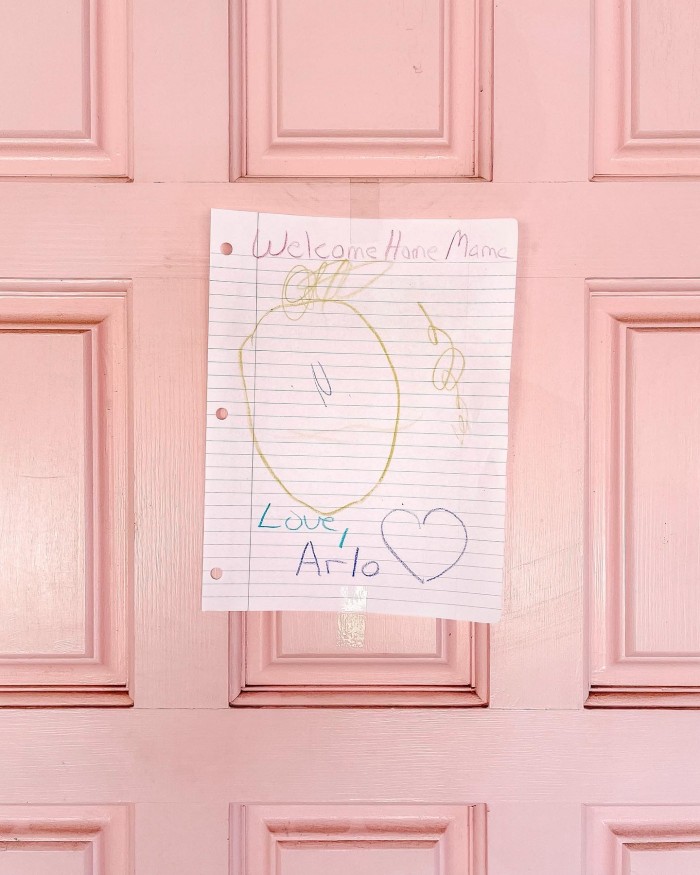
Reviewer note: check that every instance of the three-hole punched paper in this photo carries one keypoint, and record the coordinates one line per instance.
(357, 414)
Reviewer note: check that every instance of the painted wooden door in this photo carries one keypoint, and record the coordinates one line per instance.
(142, 736)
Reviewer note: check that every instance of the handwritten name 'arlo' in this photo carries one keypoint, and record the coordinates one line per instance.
(461, 247)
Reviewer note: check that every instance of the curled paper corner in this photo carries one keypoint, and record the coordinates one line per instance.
(352, 619)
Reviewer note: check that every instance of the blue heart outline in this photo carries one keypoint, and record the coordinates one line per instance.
(420, 525)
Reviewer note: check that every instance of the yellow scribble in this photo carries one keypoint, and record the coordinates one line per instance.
(448, 371)
(304, 288)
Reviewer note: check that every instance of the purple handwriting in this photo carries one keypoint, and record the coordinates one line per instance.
(397, 247)
(311, 562)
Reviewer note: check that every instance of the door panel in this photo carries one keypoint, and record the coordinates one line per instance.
(393, 839)
(366, 88)
(370, 110)
(65, 839)
(643, 346)
(64, 88)
(65, 472)
(645, 112)
(293, 658)
(643, 840)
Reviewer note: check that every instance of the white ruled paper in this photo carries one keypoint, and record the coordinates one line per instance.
(357, 414)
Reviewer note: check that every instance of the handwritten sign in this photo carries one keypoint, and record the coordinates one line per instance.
(357, 414)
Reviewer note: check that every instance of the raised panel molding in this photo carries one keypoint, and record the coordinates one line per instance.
(356, 660)
(349, 839)
(65, 98)
(66, 839)
(402, 90)
(643, 533)
(646, 120)
(643, 839)
(65, 463)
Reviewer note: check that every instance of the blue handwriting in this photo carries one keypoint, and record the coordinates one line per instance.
(310, 561)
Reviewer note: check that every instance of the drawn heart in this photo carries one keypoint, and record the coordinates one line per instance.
(439, 518)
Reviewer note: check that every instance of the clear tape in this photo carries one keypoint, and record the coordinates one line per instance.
(352, 619)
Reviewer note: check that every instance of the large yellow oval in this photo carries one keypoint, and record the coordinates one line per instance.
(323, 403)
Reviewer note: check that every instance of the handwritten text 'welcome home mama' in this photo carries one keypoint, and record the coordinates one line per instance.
(460, 248)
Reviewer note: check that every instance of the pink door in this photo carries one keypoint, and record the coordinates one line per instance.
(140, 735)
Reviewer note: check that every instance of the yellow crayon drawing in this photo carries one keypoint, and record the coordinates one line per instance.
(448, 371)
(324, 290)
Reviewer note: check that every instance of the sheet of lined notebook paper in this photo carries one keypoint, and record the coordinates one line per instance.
(357, 414)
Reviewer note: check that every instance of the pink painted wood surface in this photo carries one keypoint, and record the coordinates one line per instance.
(47, 504)
(365, 88)
(65, 470)
(180, 91)
(394, 840)
(65, 839)
(64, 74)
(644, 840)
(317, 659)
(381, 744)
(541, 109)
(334, 648)
(646, 120)
(643, 540)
